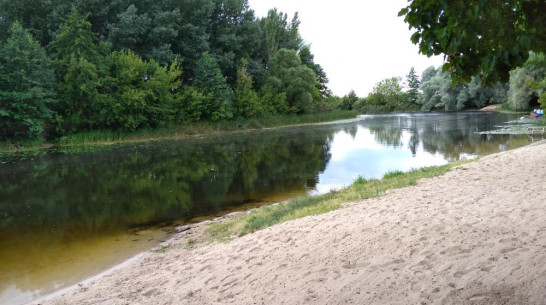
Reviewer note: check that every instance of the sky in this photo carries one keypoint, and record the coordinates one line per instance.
(357, 42)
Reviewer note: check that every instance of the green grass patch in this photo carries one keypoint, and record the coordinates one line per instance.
(312, 205)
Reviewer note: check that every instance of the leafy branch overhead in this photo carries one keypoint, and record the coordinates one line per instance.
(484, 37)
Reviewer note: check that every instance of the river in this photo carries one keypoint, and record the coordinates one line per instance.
(67, 214)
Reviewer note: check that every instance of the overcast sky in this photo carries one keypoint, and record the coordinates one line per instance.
(358, 43)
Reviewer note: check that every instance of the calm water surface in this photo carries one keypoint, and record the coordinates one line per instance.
(68, 214)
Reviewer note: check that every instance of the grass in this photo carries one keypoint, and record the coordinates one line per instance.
(312, 205)
(104, 137)
(161, 249)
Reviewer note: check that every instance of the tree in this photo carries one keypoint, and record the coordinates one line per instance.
(130, 31)
(147, 36)
(308, 59)
(388, 92)
(428, 74)
(34, 15)
(525, 82)
(246, 99)
(287, 74)
(77, 56)
(439, 92)
(413, 84)
(487, 38)
(348, 101)
(26, 86)
(210, 80)
(234, 34)
(137, 93)
(279, 34)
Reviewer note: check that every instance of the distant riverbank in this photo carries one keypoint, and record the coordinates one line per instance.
(473, 234)
(108, 137)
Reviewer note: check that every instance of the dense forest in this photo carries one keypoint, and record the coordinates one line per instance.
(73, 66)
(68, 67)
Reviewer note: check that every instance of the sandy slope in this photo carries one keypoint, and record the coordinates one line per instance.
(476, 235)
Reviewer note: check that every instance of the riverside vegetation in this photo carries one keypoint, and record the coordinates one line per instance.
(126, 70)
(312, 205)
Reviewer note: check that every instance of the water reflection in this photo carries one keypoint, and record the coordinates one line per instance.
(60, 210)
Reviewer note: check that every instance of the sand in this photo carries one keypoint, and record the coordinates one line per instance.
(476, 235)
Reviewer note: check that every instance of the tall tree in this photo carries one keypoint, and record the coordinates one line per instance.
(26, 86)
(77, 54)
(210, 80)
(413, 84)
(308, 59)
(525, 82)
(299, 82)
(279, 34)
(148, 36)
(486, 37)
(388, 92)
(349, 100)
(137, 93)
(246, 99)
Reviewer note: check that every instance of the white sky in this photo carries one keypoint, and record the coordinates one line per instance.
(357, 42)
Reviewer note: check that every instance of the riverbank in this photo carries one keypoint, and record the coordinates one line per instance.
(474, 235)
(108, 137)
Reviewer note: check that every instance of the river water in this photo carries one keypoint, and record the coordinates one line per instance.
(68, 214)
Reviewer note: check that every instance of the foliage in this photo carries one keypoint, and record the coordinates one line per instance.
(308, 59)
(210, 80)
(246, 99)
(287, 74)
(348, 101)
(387, 92)
(527, 82)
(313, 205)
(77, 55)
(413, 84)
(26, 86)
(486, 37)
(279, 34)
(137, 94)
(202, 40)
(438, 92)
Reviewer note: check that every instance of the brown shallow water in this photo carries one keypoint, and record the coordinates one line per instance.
(67, 215)
(52, 263)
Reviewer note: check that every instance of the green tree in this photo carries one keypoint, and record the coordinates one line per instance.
(413, 84)
(137, 93)
(77, 56)
(130, 31)
(388, 92)
(279, 33)
(273, 101)
(308, 59)
(287, 74)
(26, 86)
(147, 36)
(486, 37)
(246, 99)
(439, 92)
(348, 101)
(210, 80)
(34, 15)
(525, 82)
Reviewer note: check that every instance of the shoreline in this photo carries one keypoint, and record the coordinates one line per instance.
(178, 246)
(199, 129)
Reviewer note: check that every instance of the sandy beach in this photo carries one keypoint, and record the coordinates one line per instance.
(476, 235)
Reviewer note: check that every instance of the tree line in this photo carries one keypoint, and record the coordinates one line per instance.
(436, 89)
(75, 66)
